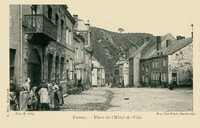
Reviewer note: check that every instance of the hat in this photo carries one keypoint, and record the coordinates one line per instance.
(55, 87)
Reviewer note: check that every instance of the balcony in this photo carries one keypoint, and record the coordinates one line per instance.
(41, 26)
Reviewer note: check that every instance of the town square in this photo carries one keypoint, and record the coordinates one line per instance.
(60, 62)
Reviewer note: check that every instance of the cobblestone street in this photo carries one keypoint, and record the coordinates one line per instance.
(130, 99)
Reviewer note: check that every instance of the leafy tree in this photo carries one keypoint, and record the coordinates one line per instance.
(121, 30)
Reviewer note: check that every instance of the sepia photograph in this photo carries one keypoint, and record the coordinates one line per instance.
(64, 57)
(108, 63)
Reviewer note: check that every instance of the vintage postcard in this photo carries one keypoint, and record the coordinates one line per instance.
(90, 61)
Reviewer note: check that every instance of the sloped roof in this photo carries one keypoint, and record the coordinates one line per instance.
(150, 50)
(93, 58)
(96, 65)
(167, 35)
(174, 47)
(80, 26)
(134, 53)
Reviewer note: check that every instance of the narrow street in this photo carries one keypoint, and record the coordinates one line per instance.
(130, 99)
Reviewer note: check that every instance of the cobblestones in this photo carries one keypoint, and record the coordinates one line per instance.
(96, 99)
(131, 99)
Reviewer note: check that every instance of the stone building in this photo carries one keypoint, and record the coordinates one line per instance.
(170, 62)
(83, 29)
(41, 45)
(134, 64)
(79, 56)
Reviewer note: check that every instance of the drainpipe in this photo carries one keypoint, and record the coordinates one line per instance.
(21, 41)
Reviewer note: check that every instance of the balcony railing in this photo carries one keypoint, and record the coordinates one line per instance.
(38, 23)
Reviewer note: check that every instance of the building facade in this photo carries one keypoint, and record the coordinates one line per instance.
(173, 62)
(98, 73)
(134, 64)
(83, 29)
(41, 45)
(79, 56)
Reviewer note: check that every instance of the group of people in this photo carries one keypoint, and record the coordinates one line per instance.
(46, 96)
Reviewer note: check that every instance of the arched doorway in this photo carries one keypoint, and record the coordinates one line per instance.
(34, 68)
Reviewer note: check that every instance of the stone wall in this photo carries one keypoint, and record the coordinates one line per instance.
(181, 62)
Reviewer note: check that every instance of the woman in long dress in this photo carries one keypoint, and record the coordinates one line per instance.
(44, 98)
(60, 94)
(54, 100)
(24, 95)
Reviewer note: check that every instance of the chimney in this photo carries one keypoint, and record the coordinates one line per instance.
(126, 52)
(75, 17)
(178, 37)
(182, 37)
(192, 31)
(88, 23)
(158, 43)
(168, 42)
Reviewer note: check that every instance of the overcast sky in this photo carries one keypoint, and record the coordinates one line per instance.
(157, 17)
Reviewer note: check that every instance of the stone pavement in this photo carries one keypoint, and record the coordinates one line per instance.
(96, 99)
(151, 100)
(130, 99)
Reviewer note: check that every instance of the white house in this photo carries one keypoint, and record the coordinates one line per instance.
(98, 73)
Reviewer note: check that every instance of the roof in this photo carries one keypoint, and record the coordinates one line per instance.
(119, 62)
(167, 35)
(135, 52)
(78, 37)
(81, 26)
(96, 65)
(150, 50)
(88, 50)
(174, 47)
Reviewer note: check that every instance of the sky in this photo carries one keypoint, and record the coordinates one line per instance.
(158, 17)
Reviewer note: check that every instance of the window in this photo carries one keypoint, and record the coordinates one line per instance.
(33, 12)
(56, 67)
(143, 67)
(164, 77)
(61, 68)
(62, 30)
(147, 69)
(49, 12)
(156, 64)
(82, 55)
(57, 20)
(78, 74)
(156, 74)
(67, 36)
(71, 68)
(70, 37)
(77, 53)
(164, 62)
(50, 61)
(86, 59)
(153, 64)
(34, 9)
(152, 76)
(142, 78)
(12, 63)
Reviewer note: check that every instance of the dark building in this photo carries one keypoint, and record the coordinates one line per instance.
(39, 40)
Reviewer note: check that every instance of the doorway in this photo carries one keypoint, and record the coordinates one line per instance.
(34, 68)
(174, 78)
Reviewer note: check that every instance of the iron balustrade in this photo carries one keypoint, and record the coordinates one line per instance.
(38, 23)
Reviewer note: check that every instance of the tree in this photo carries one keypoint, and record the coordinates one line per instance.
(121, 30)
